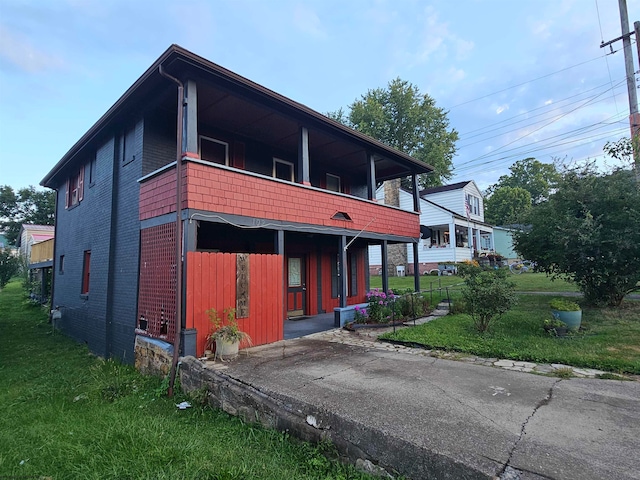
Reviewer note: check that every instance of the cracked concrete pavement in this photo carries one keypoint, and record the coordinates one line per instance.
(493, 421)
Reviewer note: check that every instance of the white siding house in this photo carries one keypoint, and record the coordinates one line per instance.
(444, 210)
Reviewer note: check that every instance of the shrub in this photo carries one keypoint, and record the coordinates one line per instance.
(379, 308)
(488, 295)
(564, 305)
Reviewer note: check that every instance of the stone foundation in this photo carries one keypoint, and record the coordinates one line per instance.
(152, 356)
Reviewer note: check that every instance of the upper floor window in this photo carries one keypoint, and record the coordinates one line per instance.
(282, 169)
(334, 183)
(214, 151)
(472, 203)
(75, 188)
(92, 171)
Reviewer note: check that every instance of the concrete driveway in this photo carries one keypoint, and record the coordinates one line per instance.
(425, 417)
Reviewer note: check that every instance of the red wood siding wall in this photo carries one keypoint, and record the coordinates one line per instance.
(218, 190)
(211, 283)
(157, 291)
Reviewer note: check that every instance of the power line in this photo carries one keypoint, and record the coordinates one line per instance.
(524, 83)
(499, 131)
(556, 105)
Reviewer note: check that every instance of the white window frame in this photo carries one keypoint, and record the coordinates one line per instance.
(214, 140)
(284, 162)
(339, 182)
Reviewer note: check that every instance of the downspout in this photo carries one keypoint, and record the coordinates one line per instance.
(176, 340)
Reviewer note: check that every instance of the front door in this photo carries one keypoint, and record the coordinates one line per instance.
(296, 286)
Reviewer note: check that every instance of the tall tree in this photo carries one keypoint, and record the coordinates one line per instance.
(28, 205)
(589, 232)
(538, 178)
(407, 120)
(507, 205)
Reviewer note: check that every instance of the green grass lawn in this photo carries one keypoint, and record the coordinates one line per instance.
(610, 340)
(525, 282)
(67, 414)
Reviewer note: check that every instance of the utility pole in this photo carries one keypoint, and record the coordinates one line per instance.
(634, 118)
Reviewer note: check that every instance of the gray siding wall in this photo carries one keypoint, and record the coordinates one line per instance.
(159, 147)
(126, 253)
(106, 222)
(85, 226)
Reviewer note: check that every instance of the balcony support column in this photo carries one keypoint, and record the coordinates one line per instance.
(416, 192)
(371, 177)
(303, 157)
(190, 123)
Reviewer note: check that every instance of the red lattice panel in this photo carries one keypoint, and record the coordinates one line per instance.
(157, 294)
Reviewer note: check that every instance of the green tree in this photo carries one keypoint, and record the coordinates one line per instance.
(507, 205)
(28, 205)
(407, 120)
(538, 178)
(9, 266)
(588, 232)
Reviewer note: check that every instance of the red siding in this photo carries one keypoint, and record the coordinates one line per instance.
(214, 189)
(211, 283)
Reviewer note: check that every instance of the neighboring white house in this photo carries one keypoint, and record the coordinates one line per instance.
(457, 208)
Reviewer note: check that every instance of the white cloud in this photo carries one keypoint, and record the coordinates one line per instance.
(548, 102)
(502, 108)
(18, 51)
(306, 20)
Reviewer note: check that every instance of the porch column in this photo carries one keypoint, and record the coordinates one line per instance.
(190, 236)
(478, 244)
(493, 241)
(343, 271)
(303, 157)
(385, 266)
(371, 177)
(280, 242)
(470, 241)
(190, 123)
(416, 267)
(416, 192)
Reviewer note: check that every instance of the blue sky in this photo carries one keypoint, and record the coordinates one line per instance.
(519, 78)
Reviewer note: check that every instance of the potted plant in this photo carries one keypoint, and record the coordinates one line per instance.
(225, 334)
(567, 312)
(555, 327)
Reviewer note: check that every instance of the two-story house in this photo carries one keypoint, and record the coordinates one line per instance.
(452, 227)
(276, 205)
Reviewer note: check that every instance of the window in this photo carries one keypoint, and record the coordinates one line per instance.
(473, 203)
(92, 171)
(283, 170)
(61, 265)
(333, 183)
(75, 189)
(86, 272)
(214, 151)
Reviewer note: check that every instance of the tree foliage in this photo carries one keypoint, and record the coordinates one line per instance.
(28, 205)
(589, 232)
(407, 120)
(538, 178)
(507, 205)
(9, 266)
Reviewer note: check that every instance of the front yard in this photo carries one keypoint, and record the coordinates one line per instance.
(68, 414)
(610, 339)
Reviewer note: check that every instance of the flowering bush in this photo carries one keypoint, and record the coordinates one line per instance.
(380, 305)
(360, 315)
